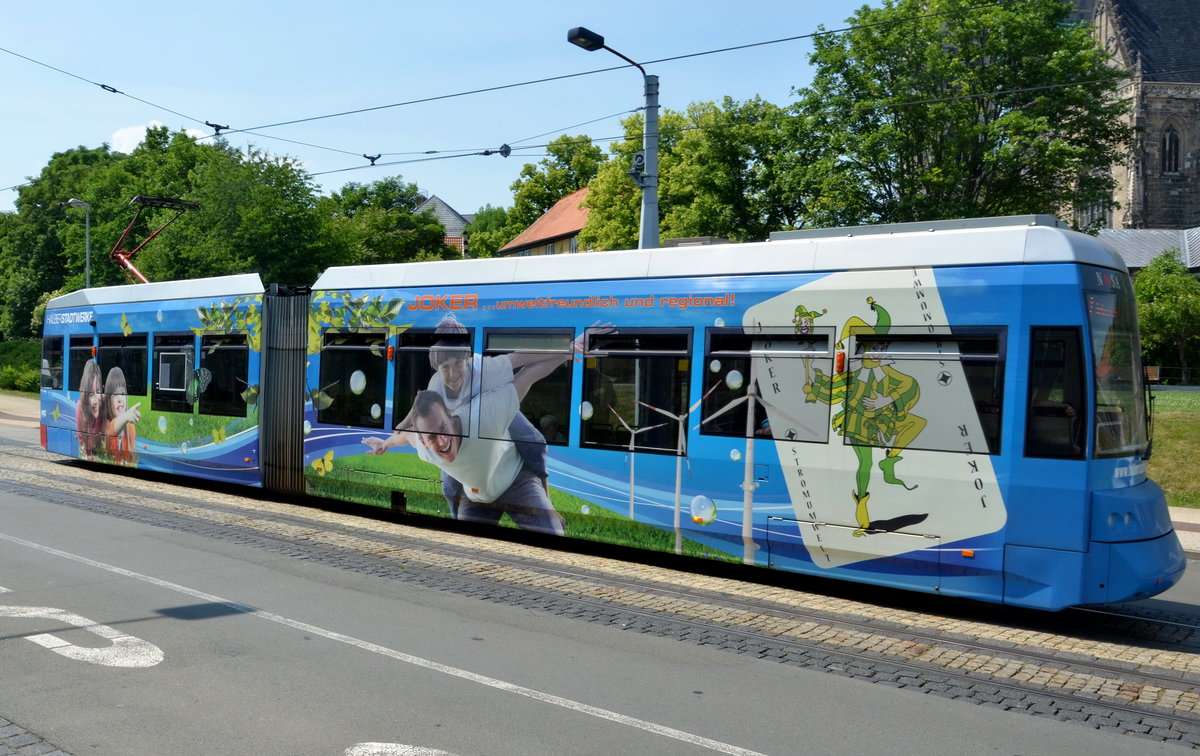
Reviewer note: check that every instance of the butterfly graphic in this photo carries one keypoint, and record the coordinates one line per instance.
(324, 463)
(320, 399)
(125, 327)
(198, 384)
(218, 435)
(250, 395)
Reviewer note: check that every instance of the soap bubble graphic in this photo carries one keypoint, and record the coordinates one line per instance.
(162, 424)
(376, 411)
(735, 455)
(734, 379)
(586, 410)
(719, 322)
(714, 366)
(585, 509)
(307, 427)
(358, 381)
(704, 510)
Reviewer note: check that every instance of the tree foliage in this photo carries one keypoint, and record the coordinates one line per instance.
(1168, 298)
(380, 224)
(258, 213)
(929, 109)
(572, 163)
(487, 232)
(724, 170)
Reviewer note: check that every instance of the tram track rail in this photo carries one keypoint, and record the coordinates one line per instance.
(839, 636)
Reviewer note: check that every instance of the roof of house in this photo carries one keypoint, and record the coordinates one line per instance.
(1138, 246)
(1165, 35)
(565, 218)
(450, 218)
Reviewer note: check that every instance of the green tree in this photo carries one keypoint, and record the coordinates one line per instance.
(730, 171)
(42, 244)
(573, 162)
(933, 109)
(487, 232)
(724, 170)
(258, 213)
(1168, 298)
(380, 223)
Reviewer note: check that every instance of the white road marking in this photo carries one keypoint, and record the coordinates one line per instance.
(125, 651)
(392, 749)
(491, 682)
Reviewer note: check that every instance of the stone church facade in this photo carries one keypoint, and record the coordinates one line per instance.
(1158, 42)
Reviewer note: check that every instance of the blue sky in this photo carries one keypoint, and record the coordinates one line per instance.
(257, 63)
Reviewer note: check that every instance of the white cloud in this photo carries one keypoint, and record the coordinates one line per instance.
(127, 138)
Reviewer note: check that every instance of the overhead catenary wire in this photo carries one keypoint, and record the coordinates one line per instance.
(256, 131)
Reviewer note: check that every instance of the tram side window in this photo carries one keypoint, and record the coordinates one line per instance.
(546, 353)
(438, 360)
(126, 355)
(79, 352)
(635, 387)
(789, 374)
(226, 358)
(174, 371)
(1054, 425)
(917, 391)
(52, 362)
(353, 380)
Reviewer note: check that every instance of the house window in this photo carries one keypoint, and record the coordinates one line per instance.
(1170, 150)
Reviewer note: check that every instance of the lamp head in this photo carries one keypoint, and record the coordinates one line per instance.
(585, 38)
(77, 203)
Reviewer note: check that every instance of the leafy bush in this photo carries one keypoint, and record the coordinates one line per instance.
(20, 364)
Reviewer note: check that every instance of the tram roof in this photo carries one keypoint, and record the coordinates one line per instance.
(219, 286)
(1019, 240)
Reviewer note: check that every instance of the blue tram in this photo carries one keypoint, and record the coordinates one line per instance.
(950, 407)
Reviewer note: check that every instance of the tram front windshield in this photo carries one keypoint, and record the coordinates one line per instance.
(1120, 417)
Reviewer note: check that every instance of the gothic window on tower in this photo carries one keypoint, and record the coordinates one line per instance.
(1170, 150)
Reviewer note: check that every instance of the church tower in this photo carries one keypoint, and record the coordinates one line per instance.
(1158, 43)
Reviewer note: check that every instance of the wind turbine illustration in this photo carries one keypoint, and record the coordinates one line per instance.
(632, 455)
(749, 485)
(681, 452)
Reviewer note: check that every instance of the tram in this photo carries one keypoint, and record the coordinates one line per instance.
(951, 407)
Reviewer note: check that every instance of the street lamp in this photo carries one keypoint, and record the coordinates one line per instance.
(645, 164)
(87, 238)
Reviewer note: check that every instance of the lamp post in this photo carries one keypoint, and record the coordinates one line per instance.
(87, 238)
(645, 165)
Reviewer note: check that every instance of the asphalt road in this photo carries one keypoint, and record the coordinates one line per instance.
(128, 637)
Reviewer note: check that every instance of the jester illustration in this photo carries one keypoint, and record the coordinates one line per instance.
(876, 400)
(804, 317)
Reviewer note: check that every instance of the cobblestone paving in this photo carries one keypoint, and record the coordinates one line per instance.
(14, 739)
(645, 598)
